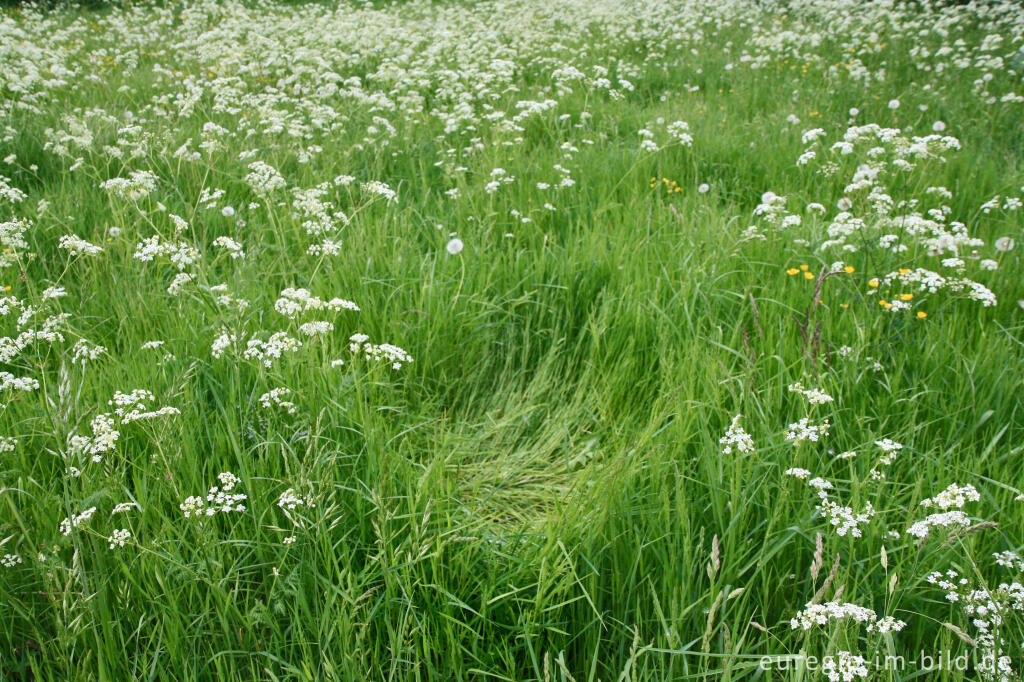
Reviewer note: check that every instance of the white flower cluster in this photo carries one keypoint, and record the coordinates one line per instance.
(220, 499)
(103, 439)
(844, 519)
(264, 179)
(223, 342)
(275, 398)
(131, 407)
(70, 523)
(233, 248)
(12, 241)
(316, 328)
(272, 349)
(290, 500)
(292, 302)
(10, 560)
(380, 189)
(803, 431)
(923, 280)
(814, 396)
(319, 217)
(122, 507)
(1010, 560)
(11, 347)
(736, 437)
(137, 185)
(844, 667)
(118, 538)
(986, 609)
(956, 518)
(817, 615)
(377, 352)
(76, 246)
(9, 382)
(953, 497)
(83, 352)
(9, 193)
(181, 254)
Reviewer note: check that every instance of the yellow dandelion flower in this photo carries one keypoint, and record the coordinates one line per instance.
(849, 269)
(904, 271)
(792, 271)
(809, 275)
(873, 283)
(921, 314)
(906, 297)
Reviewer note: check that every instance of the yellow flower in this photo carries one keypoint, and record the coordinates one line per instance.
(906, 297)
(873, 283)
(849, 269)
(804, 267)
(921, 314)
(809, 275)
(792, 271)
(904, 271)
(844, 305)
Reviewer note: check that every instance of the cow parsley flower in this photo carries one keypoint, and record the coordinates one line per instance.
(736, 437)
(803, 430)
(844, 667)
(118, 538)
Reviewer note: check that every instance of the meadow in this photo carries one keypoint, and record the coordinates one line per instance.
(512, 340)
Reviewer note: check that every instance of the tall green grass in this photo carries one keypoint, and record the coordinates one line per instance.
(538, 495)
